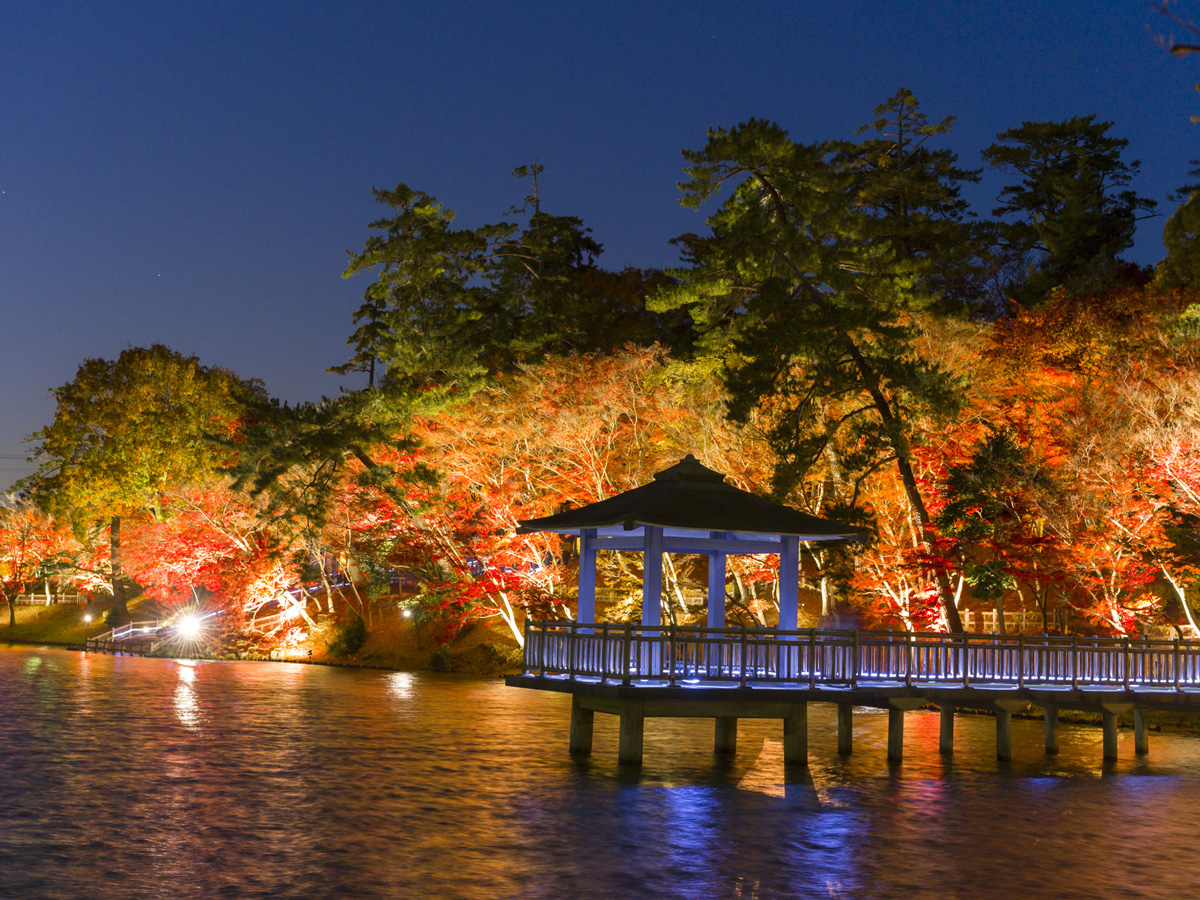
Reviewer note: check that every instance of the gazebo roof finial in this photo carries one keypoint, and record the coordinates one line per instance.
(689, 469)
(689, 497)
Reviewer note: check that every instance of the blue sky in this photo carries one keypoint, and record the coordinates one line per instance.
(194, 173)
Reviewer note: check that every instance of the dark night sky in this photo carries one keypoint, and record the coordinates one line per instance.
(193, 173)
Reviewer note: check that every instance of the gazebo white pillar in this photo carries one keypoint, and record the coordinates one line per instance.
(587, 576)
(716, 585)
(652, 552)
(789, 582)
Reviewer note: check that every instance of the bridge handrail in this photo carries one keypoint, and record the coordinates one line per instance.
(687, 654)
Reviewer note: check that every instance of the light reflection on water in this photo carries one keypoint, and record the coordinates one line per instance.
(123, 777)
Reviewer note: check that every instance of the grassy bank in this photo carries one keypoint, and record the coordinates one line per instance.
(58, 624)
(392, 642)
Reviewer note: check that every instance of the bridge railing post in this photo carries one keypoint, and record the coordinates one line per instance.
(854, 659)
(1020, 660)
(1125, 663)
(671, 655)
(812, 658)
(572, 645)
(966, 660)
(1175, 665)
(742, 652)
(1074, 662)
(626, 652)
(908, 658)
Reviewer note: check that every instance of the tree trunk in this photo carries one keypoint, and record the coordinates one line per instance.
(12, 611)
(120, 613)
(916, 504)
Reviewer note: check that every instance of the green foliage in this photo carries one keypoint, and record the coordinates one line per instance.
(451, 306)
(1073, 210)
(349, 637)
(910, 192)
(805, 299)
(124, 429)
(298, 457)
(982, 514)
(1181, 267)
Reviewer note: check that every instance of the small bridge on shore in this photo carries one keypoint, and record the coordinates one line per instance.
(638, 672)
(134, 638)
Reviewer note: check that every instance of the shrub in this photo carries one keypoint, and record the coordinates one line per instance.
(440, 659)
(349, 637)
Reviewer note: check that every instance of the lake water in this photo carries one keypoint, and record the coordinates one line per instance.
(144, 778)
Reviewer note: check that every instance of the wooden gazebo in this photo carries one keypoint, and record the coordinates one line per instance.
(654, 671)
(689, 508)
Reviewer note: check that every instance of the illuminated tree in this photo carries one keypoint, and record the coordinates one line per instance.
(127, 429)
(29, 542)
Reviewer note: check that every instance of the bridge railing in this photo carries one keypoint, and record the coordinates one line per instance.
(687, 654)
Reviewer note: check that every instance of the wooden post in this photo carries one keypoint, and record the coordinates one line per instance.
(716, 586)
(1050, 727)
(586, 611)
(845, 728)
(1141, 739)
(582, 721)
(726, 735)
(629, 749)
(895, 747)
(795, 735)
(946, 735)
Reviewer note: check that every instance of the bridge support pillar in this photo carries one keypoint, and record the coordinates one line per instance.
(897, 706)
(1050, 727)
(582, 721)
(633, 722)
(1004, 711)
(1110, 712)
(946, 734)
(895, 751)
(1141, 739)
(1003, 734)
(726, 735)
(845, 728)
(1110, 735)
(795, 735)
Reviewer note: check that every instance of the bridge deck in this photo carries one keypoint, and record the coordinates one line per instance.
(647, 671)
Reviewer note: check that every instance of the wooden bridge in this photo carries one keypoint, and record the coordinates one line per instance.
(135, 638)
(644, 671)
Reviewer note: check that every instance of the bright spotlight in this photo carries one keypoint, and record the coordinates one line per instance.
(188, 628)
(87, 617)
(407, 613)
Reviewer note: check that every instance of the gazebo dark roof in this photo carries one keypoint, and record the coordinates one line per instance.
(691, 497)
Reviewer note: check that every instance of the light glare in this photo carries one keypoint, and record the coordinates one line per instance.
(188, 627)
